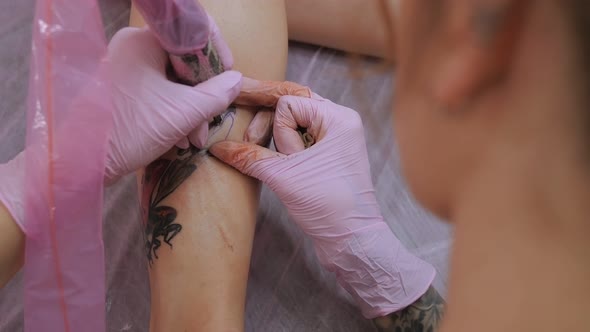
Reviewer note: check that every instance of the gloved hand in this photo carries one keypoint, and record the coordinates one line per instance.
(328, 192)
(150, 112)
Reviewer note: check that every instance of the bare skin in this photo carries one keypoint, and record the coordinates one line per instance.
(198, 281)
(356, 26)
(12, 250)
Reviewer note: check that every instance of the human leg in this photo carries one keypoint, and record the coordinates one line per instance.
(201, 232)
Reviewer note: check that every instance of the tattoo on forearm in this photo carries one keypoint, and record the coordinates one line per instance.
(424, 315)
(162, 178)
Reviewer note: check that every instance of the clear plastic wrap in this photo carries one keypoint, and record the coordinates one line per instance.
(191, 38)
(69, 114)
(68, 120)
(181, 26)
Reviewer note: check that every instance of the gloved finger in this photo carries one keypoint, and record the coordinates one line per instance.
(183, 143)
(260, 129)
(196, 105)
(267, 93)
(293, 114)
(220, 45)
(199, 136)
(245, 157)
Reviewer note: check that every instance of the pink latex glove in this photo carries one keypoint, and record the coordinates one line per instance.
(195, 45)
(198, 65)
(328, 192)
(153, 113)
(150, 112)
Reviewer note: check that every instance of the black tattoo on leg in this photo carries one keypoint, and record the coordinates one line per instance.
(194, 68)
(216, 125)
(162, 178)
(197, 67)
(424, 315)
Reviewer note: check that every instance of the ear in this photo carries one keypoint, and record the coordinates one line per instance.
(485, 35)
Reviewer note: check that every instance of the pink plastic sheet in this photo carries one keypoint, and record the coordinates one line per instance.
(68, 122)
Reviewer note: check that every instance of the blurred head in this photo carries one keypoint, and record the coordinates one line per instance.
(478, 78)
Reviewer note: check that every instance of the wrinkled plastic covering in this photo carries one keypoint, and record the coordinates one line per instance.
(69, 116)
(287, 289)
(181, 26)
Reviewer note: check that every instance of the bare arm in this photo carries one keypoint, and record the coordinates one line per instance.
(356, 26)
(12, 247)
(200, 224)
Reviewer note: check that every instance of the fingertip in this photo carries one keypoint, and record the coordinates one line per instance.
(229, 81)
(260, 129)
(288, 141)
(224, 150)
(241, 156)
(254, 137)
(216, 94)
(218, 147)
(233, 79)
(199, 136)
(183, 143)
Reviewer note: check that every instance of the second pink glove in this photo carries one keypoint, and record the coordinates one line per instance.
(329, 194)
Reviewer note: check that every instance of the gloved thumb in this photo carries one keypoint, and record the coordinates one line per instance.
(210, 98)
(214, 96)
(245, 157)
